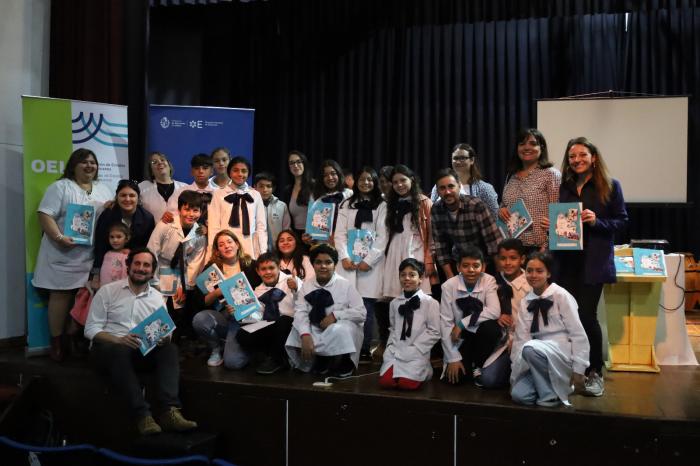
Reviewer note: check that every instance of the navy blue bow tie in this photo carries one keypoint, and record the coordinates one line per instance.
(235, 201)
(319, 299)
(271, 299)
(537, 307)
(470, 306)
(335, 198)
(406, 311)
(364, 213)
(401, 208)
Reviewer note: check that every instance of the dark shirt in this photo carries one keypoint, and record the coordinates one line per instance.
(142, 225)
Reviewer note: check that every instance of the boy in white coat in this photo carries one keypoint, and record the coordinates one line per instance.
(328, 319)
(469, 312)
(414, 329)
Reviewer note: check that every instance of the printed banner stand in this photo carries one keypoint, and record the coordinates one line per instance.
(53, 129)
(180, 132)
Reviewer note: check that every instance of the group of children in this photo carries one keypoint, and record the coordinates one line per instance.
(486, 325)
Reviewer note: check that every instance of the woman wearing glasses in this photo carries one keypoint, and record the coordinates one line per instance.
(126, 209)
(62, 266)
(464, 162)
(297, 194)
(160, 186)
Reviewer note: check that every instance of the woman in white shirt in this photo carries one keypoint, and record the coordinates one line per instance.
(156, 191)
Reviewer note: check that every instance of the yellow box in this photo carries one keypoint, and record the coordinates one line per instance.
(640, 354)
(620, 354)
(617, 309)
(643, 330)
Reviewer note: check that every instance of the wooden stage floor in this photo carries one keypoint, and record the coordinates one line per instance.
(282, 419)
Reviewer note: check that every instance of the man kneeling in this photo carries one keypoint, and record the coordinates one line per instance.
(328, 324)
(115, 310)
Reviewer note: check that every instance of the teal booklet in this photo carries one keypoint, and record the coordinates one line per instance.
(565, 226)
(209, 278)
(649, 262)
(624, 264)
(79, 223)
(154, 327)
(239, 294)
(359, 244)
(319, 220)
(168, 281)
(519, 221)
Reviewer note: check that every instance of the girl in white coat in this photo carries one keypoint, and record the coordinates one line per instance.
(362, 262)
(550, 348)
(415, 328)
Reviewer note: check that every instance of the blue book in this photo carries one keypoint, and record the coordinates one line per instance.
(169, 281)
(79, 223)
(359, 244)
(239, 294)
(649, 262)
(624, 264)
(154, 327)
(319, 220)
(565, 226)
(209, 278)
(519, 221)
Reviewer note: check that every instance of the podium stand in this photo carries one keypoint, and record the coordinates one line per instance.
(632, 306)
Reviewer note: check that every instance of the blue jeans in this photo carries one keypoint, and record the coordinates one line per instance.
(535, 384)
(216, 329)
(369, 323)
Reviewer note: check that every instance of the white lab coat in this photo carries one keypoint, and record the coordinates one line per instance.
(219, 213)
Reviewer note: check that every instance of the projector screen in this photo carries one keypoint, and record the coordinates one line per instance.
(644, 141)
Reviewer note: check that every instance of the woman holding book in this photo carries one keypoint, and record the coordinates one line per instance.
(156, 191)
(328, 188)
(583, 273)
(360, 238)
(62, 266)
(216, 324)
(531, 178)
(465, 163)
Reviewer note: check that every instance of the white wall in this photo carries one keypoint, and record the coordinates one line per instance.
(24, 69)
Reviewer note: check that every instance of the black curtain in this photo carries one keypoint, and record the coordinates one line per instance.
(384, 82)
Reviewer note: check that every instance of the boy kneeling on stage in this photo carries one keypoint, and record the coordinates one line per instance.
(329, 316)
(415, 328)
(469, 312)
(274, 293)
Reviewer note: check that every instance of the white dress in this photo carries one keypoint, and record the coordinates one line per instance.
(563, 340)
(343, 337)
(410, 358)
(367, 283)
(402, 246)
(219, 213)
(66, 269)
(152, 201)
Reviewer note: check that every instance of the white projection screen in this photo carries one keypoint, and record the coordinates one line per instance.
(644, 141)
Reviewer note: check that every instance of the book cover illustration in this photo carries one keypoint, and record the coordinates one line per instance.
(191, 245)
(519, 221)
(169, 281)
(649, 262)
(239, 294)
(154, 327)
(209, 278)
(624, 264)
(565, 226)
(79, 223)
(359, 244)
(319, 220)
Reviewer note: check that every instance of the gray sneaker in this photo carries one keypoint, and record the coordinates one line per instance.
(594, 386)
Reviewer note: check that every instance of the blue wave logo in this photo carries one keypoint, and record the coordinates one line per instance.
(100, 129)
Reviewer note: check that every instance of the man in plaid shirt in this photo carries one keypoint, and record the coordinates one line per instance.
(458, 220)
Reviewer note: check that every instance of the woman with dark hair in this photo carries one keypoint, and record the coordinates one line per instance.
(216, 328)
(583, 273)
(385, 180)
(360, 238)
(465, 163)
(126, 209)
(297, 194)
(62, 266)
(329, 188)
(156, 191)
(293, 261)
(220, 158)
(531, 178)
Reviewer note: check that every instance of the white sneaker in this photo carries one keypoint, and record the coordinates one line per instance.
(551, 403)
(594, 386)
(215, 358)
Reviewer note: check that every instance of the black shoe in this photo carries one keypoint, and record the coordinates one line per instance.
(269, 366)
(344, 369)
(321, 365)
(365, 357)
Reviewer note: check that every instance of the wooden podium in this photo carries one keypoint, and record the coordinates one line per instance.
(632, 305)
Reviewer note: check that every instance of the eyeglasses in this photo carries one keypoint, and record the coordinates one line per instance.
(157, 161)
(295, 162)
(462, 158)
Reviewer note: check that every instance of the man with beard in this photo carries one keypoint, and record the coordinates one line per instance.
(458, 220)
(115, 310)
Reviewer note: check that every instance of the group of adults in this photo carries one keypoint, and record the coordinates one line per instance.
(461, 210)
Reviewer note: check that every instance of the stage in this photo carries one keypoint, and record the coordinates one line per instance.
(282, 419)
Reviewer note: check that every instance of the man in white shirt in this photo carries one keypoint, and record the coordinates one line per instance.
(115, 310)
